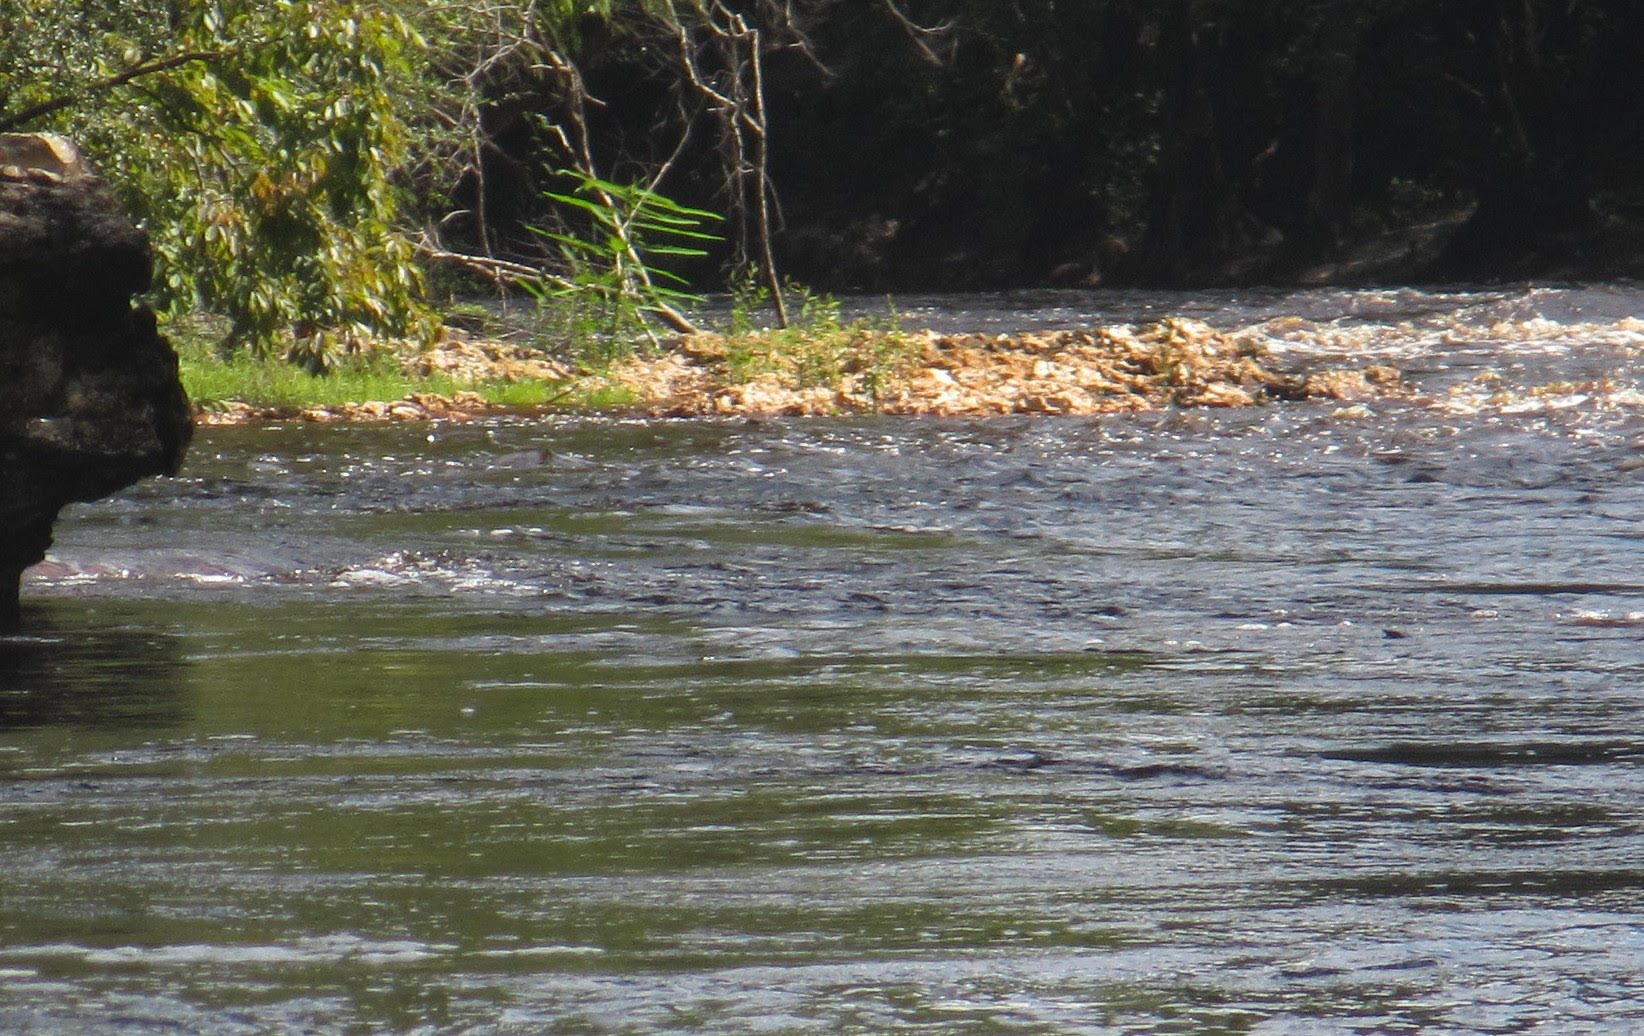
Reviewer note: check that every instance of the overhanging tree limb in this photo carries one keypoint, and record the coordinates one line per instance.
(119, 79)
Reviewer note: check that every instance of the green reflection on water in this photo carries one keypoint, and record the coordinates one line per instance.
(373, 805)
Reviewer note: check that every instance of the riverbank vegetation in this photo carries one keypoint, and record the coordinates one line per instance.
(322, 177)
(822, 368)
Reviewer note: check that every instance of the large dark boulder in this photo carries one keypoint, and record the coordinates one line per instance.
(90, 401)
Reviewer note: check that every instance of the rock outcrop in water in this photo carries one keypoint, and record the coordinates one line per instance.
(90, 401)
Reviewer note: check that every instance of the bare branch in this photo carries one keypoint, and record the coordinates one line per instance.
(763, 186)
(918, 33)
(505, 271)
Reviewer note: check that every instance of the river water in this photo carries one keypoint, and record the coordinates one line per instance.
(1297, 719)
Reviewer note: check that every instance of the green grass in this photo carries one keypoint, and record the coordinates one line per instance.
(212, 380)
(274, 383)
(820, 350)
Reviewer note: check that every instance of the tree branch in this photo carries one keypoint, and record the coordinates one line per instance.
(917, 33)
(502, 270)
(146, 68)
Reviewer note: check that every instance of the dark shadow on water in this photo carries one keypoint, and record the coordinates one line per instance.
(72, 668)
(1516, 753)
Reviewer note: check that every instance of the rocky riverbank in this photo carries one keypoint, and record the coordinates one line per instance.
(1172, 363)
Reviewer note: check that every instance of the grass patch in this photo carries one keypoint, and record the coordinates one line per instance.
(601, 397)
(873, 359)
(268, 382)
(213, 380)
(821, 349)
(861, 359)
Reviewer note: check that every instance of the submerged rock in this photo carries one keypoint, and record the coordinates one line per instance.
(90, 401)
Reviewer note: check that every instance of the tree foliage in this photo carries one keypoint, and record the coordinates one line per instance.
(296, 159)
(260, 143)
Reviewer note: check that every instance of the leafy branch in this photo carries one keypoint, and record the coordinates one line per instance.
(36, 112)
(612, 257)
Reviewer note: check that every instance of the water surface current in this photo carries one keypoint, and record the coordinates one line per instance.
(1297, 719)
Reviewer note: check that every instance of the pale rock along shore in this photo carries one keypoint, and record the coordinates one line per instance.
(1172, 363)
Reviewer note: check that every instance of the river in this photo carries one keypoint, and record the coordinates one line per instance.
(1296, 719)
